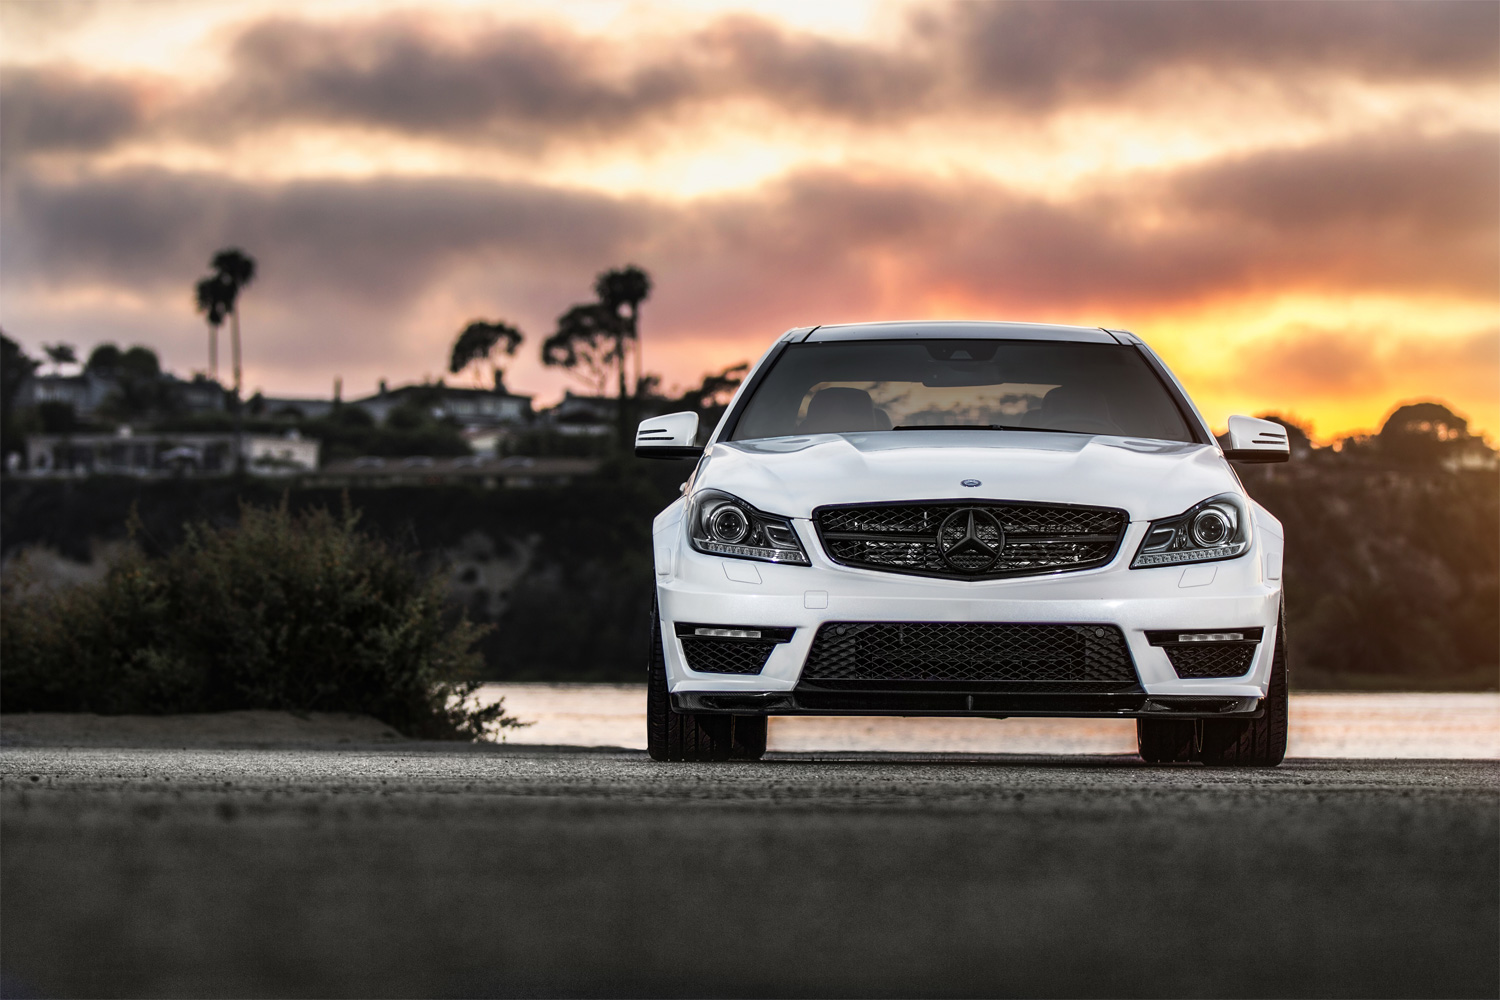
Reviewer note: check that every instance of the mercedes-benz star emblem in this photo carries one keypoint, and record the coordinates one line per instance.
(971, 483)
(970, 540)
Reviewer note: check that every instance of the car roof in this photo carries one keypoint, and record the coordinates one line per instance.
(952, 330)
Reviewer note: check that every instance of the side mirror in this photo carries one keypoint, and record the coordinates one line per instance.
(671, 435)
(1255, 440)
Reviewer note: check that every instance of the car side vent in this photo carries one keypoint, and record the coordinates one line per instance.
(729, 649)
(1219, 653)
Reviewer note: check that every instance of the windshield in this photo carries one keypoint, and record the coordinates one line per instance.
(895, 385)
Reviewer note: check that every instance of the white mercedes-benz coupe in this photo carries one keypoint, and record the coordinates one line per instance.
(967, 519)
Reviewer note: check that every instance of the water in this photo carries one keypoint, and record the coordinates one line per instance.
(1322, 725)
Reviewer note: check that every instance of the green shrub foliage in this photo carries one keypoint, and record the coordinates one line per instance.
(1392, 571)
(292, 612)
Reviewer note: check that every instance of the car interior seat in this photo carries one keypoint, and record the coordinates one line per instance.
(1073, 408)
(840, 409)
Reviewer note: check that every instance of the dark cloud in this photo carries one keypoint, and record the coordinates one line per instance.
(830, 242)
(523, 86)
(377, 241)
(1438, 186)
(1038, 54)
(803, 73)
(355, 273)
(514, 83)
(1397, 208)
(48, 109)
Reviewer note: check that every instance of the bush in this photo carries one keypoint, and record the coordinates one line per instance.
(281, 611)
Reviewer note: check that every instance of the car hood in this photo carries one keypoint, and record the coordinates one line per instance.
(793, 475)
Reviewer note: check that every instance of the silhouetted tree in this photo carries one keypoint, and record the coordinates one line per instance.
(210, 295)
(139, 363)
(59, 355)
(584, 344)
(614, 320)
(234, 270)
(716, 388)
(104, 360)
(1422, 432)
(480, 341)
(15, 369)
(621, 291)
(140, 390)
(218, 296)
(710, 397)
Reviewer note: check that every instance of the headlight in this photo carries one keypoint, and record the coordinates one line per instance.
(727, 526)
(1217, 528)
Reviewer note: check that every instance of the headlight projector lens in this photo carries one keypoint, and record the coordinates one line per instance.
(1217, 528)
(1211, 528)
(729, 524)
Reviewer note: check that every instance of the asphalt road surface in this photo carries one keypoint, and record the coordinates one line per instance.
(424, 869)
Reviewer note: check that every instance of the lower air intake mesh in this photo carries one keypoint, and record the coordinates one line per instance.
(726, 656)
(1025, 654)
(1211, 659)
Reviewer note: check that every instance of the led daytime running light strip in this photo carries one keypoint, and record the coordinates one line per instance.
(1190, 555)
(773, 555)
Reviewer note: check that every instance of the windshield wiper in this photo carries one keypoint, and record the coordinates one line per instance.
(947, 427)
(1045, 430)
(982, 427)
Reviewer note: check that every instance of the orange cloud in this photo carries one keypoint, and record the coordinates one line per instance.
(526, 86)
(371, 275)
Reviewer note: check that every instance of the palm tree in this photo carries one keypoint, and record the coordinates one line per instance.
(625, 288)
(479, 341)
(234, 269)
(210, 302)
(582, 332)
(59, 355)
(217, 296)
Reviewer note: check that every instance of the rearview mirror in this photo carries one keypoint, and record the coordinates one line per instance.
(672, 435)
(1254, 440)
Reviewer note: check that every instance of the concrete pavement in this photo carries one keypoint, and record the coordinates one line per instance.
(441, 870)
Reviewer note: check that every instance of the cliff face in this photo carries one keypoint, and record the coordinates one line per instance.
(1393, 576)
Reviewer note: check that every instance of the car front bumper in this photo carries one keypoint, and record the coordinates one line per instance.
(706, 589)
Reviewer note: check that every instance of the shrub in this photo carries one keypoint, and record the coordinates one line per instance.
(280, 611)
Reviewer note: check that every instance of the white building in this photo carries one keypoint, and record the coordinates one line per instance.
(470, 407)
(125, 453)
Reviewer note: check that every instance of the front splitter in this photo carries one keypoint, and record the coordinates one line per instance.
(967, 703)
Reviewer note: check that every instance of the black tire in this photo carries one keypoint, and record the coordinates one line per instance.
(672, 735)
(1166, 741)
(1254, 742)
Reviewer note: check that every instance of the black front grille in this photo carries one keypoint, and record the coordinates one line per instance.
(726, 656)
(1038, 657)
(926, 539)
(1211, 659)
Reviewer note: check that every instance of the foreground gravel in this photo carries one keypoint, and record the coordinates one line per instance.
(425, 869)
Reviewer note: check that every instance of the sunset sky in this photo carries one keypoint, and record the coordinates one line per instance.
(1297, 204)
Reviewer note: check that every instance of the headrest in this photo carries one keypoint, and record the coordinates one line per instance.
(839, 409)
